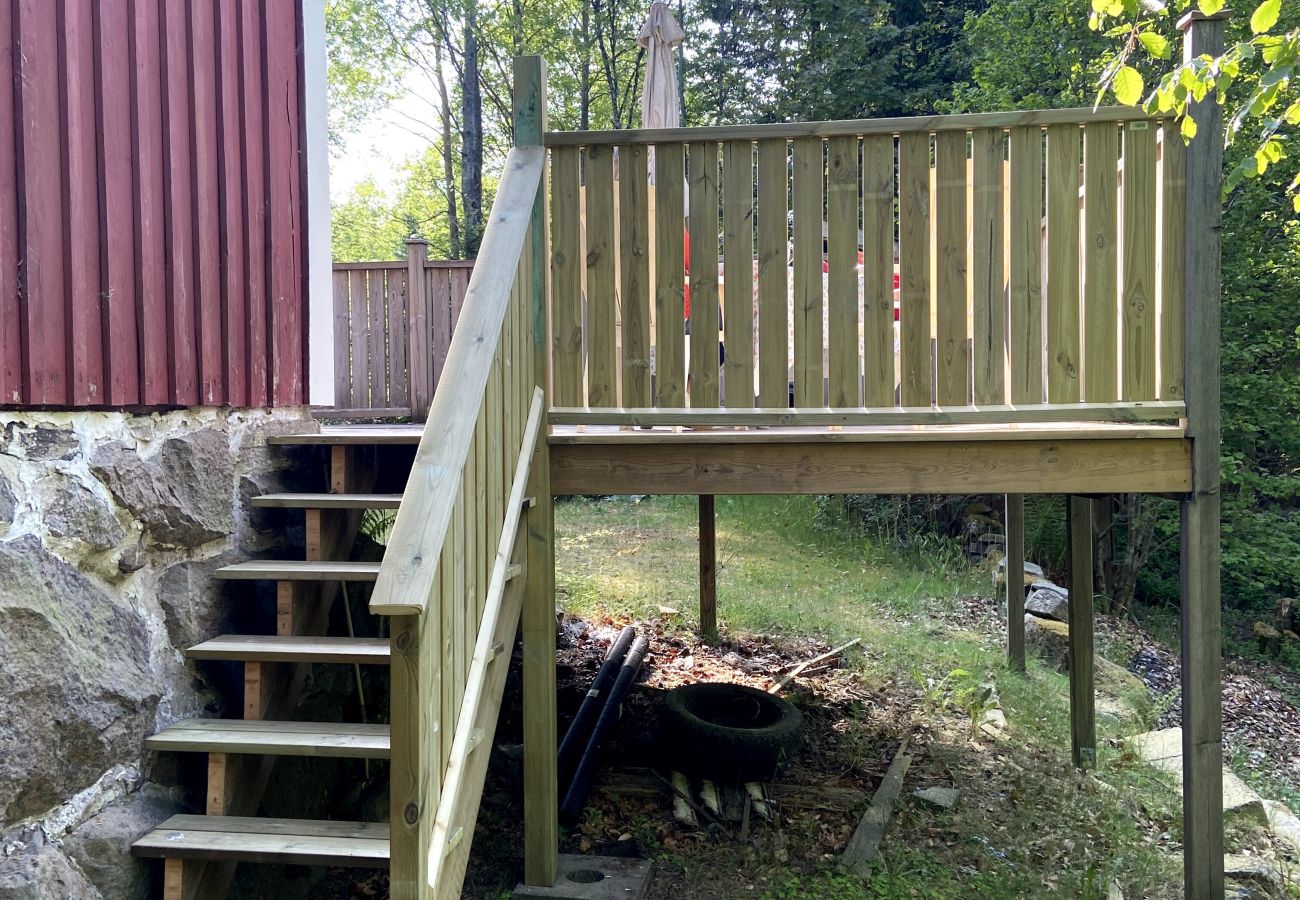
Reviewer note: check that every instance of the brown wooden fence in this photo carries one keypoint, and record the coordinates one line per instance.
(151, 217)
(390, 342)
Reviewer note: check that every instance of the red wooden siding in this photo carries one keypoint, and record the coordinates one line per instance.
(152, 226)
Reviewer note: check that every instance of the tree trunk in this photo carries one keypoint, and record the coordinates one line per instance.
(448, 160)
(471, 135)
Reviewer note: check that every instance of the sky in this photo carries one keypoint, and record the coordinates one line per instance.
(385, 141)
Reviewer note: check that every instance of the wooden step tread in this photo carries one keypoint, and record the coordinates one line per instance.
(336, 739)
(277, 648)
(330, 501)
(300, 570)
(388, 434)
(307, 842)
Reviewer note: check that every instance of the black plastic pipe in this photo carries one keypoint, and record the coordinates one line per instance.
(576, 737)
(576, 796)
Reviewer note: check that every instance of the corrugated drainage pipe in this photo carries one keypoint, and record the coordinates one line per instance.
(576, 737)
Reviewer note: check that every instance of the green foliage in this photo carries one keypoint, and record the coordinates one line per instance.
(365, 64)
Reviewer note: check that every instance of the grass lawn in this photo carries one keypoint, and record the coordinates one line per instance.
(1027, 824)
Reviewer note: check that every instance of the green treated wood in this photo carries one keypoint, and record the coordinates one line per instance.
(1173, 218)
(1138, 298)
(773, 315)
(914, 268)
(1083, 714)
(806, 201)
(708, 569)
(739, 264)
(264, 840)
(843, 305)
(566, 274)
(952, 365)
(1014, 523)
(669, 276)
(634, 272)
(292, 648)
(1100, 263)
(988, 275)
(705, 358)
(1064, 155)
(602, 302)
(1025, 343)
(879, 378)
(332, 739)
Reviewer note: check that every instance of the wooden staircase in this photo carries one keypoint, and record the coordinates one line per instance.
(201, 851)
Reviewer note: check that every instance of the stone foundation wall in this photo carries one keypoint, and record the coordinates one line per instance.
(110, 525)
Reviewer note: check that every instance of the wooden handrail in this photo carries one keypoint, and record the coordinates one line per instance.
(854, 127)
(415, 545)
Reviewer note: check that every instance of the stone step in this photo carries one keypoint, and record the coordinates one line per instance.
(299, 570)
(276, 648)
(1163, 750)
(334, 739)
(330, 501)
(305, 842)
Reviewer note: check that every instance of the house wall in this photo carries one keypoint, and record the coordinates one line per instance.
(110, 527)
(152, 195)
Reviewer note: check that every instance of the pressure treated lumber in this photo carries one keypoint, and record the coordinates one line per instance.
(329, 501)
(299, 570)
(864, 846)
(306, 842)
(292, 648)
(1013, 521)
(708, 568)
(1083, 715)
(334, 739)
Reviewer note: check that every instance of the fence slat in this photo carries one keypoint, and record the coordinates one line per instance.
(670, 274)
(842, 278)
(566, 263)
(397, 317)
(1063, 313)
(1100, 268)
(1025, 346)
(914, 267)
(704, 362)
(987, 258)
(439, 282)
(806, 206)
(375, 332)
(878, 270)
(738, 271)
(1173, 230)
(602, 303)
(773, 274)
(1138, 220)
(342, 341)
(952, 385)
(358, 297)
(634, 274)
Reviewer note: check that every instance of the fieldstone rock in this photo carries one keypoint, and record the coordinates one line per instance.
(42, 442)
(77, 665)
(1283, 823)
(71, 510)
(101, 846)
(132, 559)
(1258, 876)
(1047, 601)
(940, 798)
(195, 605)
(1050, 639)
(43, 873)
(7, 502)
(1163, 750)
(1032, 572)
(183, 494)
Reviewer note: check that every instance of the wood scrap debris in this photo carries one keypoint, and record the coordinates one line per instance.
(816, 660)
(864, 846)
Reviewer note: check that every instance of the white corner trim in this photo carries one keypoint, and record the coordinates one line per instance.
(320, 335)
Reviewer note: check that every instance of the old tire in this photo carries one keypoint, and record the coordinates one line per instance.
(729, 731)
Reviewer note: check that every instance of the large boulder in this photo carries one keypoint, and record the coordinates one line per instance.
(76, 663)
(1163, 750)
(71, 510)
(41, 872)
(1047, 601)
(101, 846)
(184, 494)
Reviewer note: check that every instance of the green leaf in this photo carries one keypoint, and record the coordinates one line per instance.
(1210, 7)
(1188, 127)
(1265, 16)
(1128, 86)
(1156, 44)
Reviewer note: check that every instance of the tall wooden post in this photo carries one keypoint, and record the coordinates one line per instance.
(1014, 523)
(419, 331)
(708, 569)
(1083, 716)
(541, 788)
(1199, 577)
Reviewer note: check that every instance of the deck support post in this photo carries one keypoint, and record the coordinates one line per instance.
(419, 318)
(1014, 524)
(708, 570)
(1083, 717)
(1199, 546)
(541, 778)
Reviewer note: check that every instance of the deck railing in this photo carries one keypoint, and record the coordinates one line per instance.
(452, 577)
(391, 340)
(1036, 258)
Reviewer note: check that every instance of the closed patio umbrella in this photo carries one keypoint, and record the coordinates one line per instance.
(659, 36)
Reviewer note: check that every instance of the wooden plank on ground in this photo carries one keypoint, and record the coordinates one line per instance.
(773, 274)
(602, 302)
(1025, 343)
(634, 273)
(705, 360)
(988, 277)
(878, 270)
(914, 268)
(1100, 263)
(842, 222)
(1138, 299)
(864, 846)
(806, 203)
(738, 280)
(566, 276)
(670, 276)
(952, 366)
(1062, 264)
